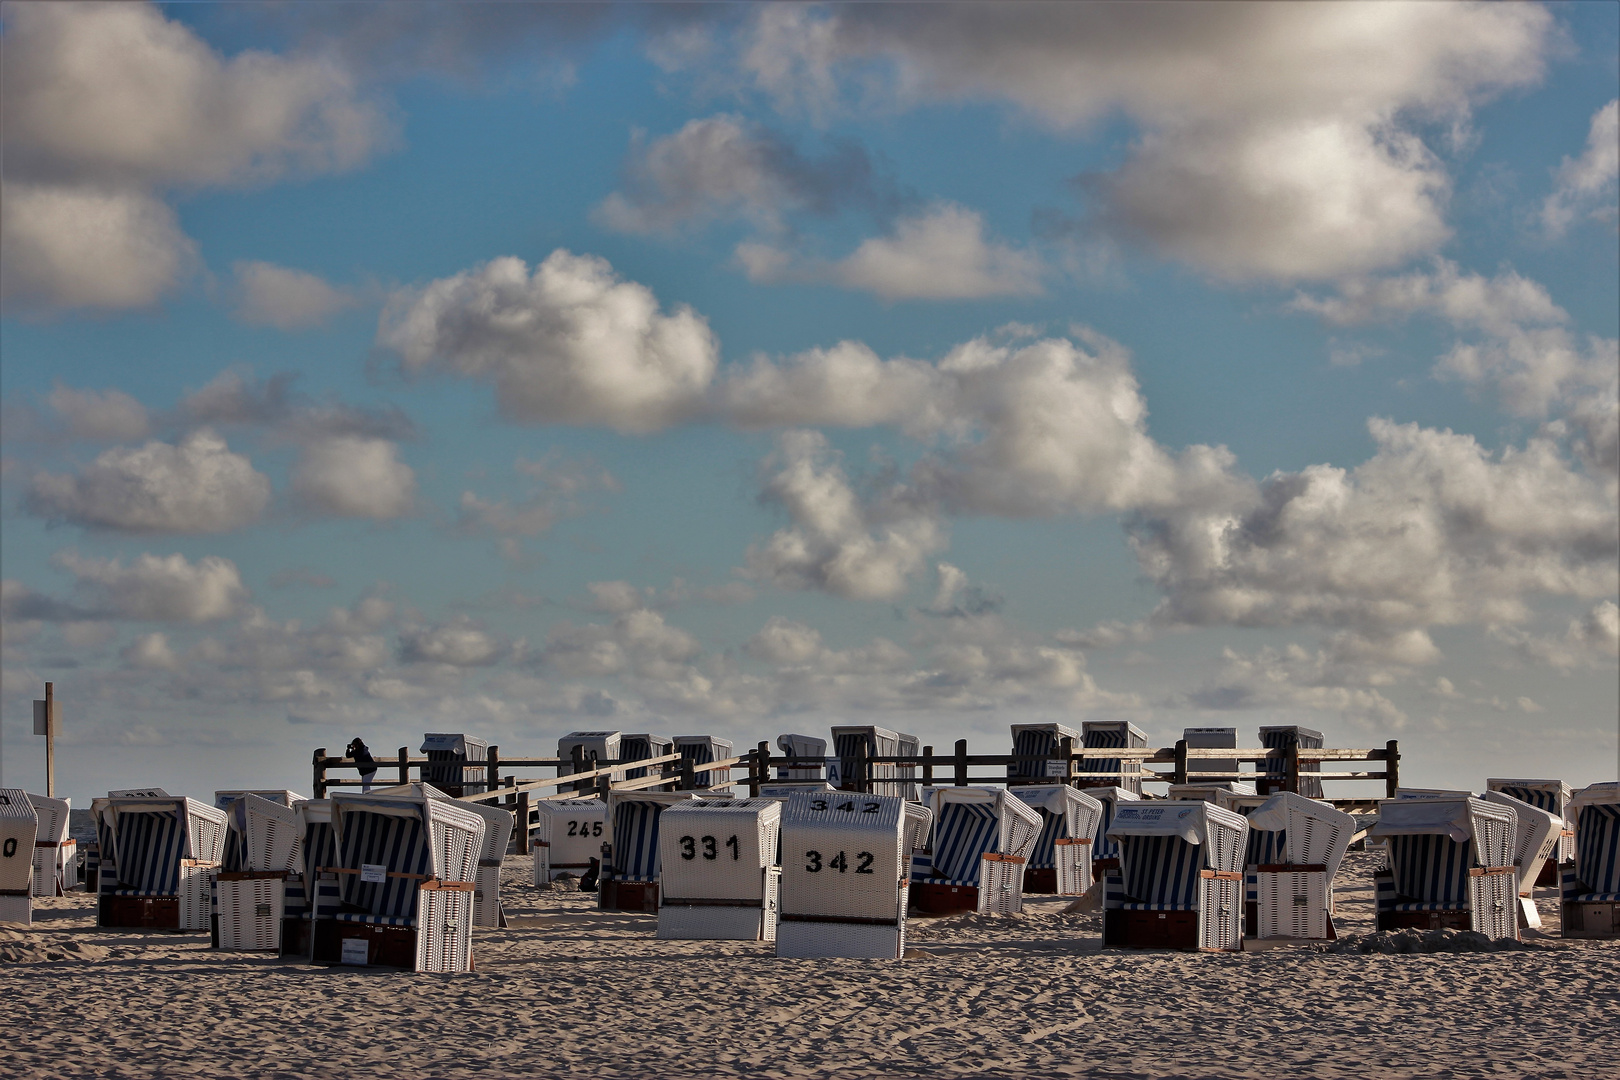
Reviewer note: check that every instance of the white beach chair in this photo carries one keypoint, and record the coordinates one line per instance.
(1101, 734)
(1589, 887)
(1535, 842)
(1040, 740)
(401, 892)
(802, 746)
(56, 853)
(629, 879)
(720, 879)
(845, 860)
(1180, 879)
(1223, 793)
(594, 747)
(1552, 796)
(263, 848)
(19, 823)
(1450, 865)
(1301, 846)
(1210, 738)
(641, 747)
(158, 857)
(498, 828)
(567, 837)
(857, 744)
(457, 764)
(980, 845)
(1060, 861)
(1105, 850)
(701, 750)
(1280, 737)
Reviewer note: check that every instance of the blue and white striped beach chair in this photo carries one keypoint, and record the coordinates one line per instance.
(1179, 884)
(704, 750)
(594, 747)
(401, 892)
(979, 847)
(640, 747)
(1590, 885)
(1535, 841)
(630, 878)
(263, 849)
(1295, 848)
(1101, 734)
(158, 857)
(1450, 865)
(316, 849)
(1040, 740)
(1060, 861)
(1105, 852)
(1552, 796)
(1280, 737)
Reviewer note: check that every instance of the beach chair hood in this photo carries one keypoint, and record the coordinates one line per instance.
(1314, 832)
(1194, 822)
(223, 799)
(1453, 817)
(202, 826)
(19, 825)
(269, 833)
(1017, 826)
(1604, 794)
(456, 833)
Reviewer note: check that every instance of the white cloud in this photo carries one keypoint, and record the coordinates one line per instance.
(1292, 679)
(100, 414)
(864, 550)
(459, 643)
(350, 476)
(197, 486)
(1591, 641)
(108, 104)
(1277, 140)
(287, 299)
(1586, 185)
(940, 254)
(157, 588)
(152, 652)
(570, 344)
(1497, 304)
(846, 385)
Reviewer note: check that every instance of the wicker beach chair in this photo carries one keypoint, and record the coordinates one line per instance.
(594, 747)
(854, 744)
(640, 747)
(1223, 793)
(844, 875)
(1281, 737)
(1450, 865)
(569, 834)
(1589, 887)
(401, 892)
(316, 848)
(158, 857)
(1105, 850)
(629, 879)
(802, 746)
(19, 823)
(498, 828)
(1295, 848)
(980, 845)
(1210, 738)
(263, 849)
(1039, 740)
(457, 764)
(720, 878)
(1179, 884)
(1535, 843)
(1552, 796)
(1101, 734)
(702, 750)
(56, 853)
(1060, 862)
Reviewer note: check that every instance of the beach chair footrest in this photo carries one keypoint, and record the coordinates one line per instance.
(1040, 879)
(1126, 929)
(387, 946)
(632, 896)
(139, 912)
(942, 899)
(1590, 920)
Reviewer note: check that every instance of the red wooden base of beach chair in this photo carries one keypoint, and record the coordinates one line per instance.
(1251, 919)
(1591, 920)
(1549, 874)
(387, 946)
(1151, 929)
(637, 896)
(294, 937)
(1040, 879)
(140, 912)
(935, 899)
(1424, 920)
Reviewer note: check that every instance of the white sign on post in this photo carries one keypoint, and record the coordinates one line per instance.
(374, 873)
(356, 950)
(41, 721)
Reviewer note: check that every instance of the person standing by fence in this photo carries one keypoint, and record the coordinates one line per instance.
(361, 755)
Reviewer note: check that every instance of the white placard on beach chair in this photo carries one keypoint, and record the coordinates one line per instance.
(420, 916)
(1040, 740)
(1535, 840)
(1552, 796)
(19, 823)
(568, 834)
(720, 879)
(264, 847)
(1450, 865)
(55, 851)
(979, 847)
(1294, 882)
(1589, 887)
(1060, 861)
(158, 858)
(629, 879)
(1179, 884)
(845, 858)
(802, 746)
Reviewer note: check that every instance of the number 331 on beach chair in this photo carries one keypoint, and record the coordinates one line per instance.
(982, 839)
(720, 878)
(845, 857)
(1179, 884)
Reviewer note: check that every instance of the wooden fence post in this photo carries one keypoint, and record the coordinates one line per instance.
(1068, 760)
(1180, 774)
(961, 763)
(523, 823)
(1293, 768)
(928, 767)
(576, 761)
(404, 764)
(492, 769)
(688, 779)
(320, 773)
(761, 769)
(1392, 768)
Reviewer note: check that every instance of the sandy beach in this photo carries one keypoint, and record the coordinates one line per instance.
(568, 990)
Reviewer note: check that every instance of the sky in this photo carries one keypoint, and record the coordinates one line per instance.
(510, 369)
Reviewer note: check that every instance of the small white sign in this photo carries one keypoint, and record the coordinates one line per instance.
(356, 950)
(41, 724)
(376, 873)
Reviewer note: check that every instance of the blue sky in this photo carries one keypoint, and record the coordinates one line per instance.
(522, 368)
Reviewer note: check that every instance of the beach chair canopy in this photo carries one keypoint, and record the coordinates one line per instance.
(408, 836)
(853, 743)
(145, 839)
(1434, 842)
(1040, 740)
(596, 745)
(1433, 793)
(261, 835)
(1308, 832)
(315, 836)
(1550, 795)
(138, 793)
(633, 818)
(970, 822)
(801, 746)
(1165, 846)
(1066, 814)
(1535, 836)
(498, 828)
(55, 818)
(1110, 797)
(1597, 840)
(223, 799)
(19, 824)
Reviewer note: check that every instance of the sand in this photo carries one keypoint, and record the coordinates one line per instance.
(567, 990)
